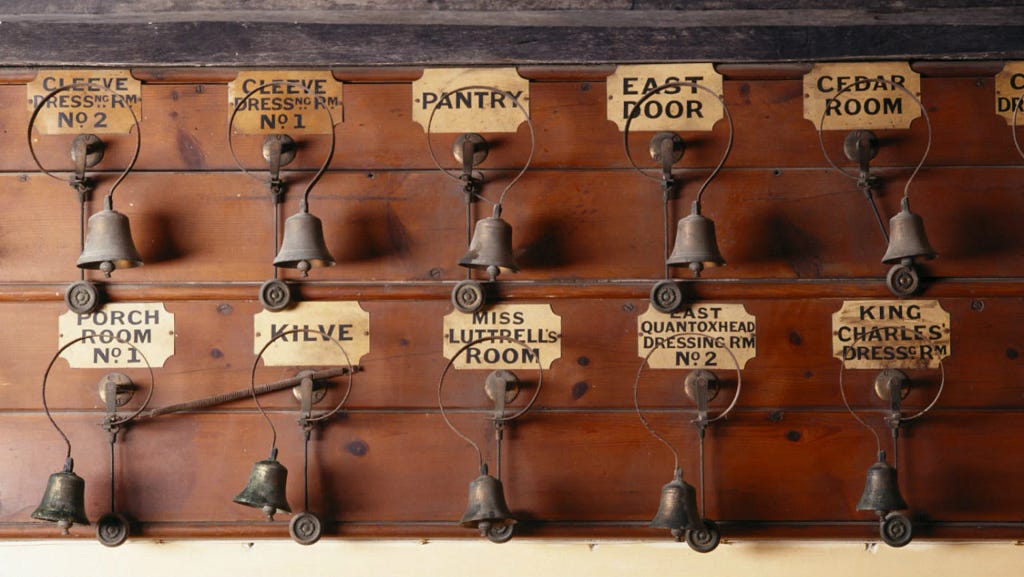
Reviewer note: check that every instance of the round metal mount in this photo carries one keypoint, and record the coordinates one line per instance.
(678, 146)
(502, 379)
(468, 296)
(112, 529)
(896, 530)
(94, 148)
(82, 297)
(479, 145)
(122, 384)
(319, 390)
(860, 142)
(305, 528)
(497, 533)
(902, 279)
(666, 296)
(887, 376)
(704, 540)
(701, 377)
(287, 148)
(275, 295)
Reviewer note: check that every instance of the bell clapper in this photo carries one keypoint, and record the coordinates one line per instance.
(497, 533)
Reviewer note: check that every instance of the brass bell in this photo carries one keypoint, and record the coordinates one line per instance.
(491, 247)
(678, 508)
(486, 509)
(266, 487)
(64, 499)
(695, 245)
(303, 246)
(108, 242)
(881, 491)
(906, 237)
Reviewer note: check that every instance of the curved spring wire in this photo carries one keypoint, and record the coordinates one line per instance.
(255, 364)
(512, 417)
(74, 86)
(114, 421)
(680, 84)
(1016, 108)
(636, 394)
(529, 123)
(924, 112)
(846, 402)
(317, 99)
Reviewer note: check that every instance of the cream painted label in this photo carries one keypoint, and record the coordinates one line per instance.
(1009, 89)
(890, 334)
(868, 100)
(461, 99)
(290, 101)
(521, 337)
(118, 335)
(675, 108)
(310, 333)
(96, 101)
(699, 336)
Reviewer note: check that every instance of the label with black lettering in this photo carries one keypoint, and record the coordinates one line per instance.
(1009, 89)
(461, 99)
(673, 108)
(521, 337)
(852, 95)
(698, 336)
(291, 101)
(313, 333)
(94, 101)
(118, 335)
(890, 334)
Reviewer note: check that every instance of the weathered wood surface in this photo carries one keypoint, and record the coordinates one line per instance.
(326, 33)
(798, 237)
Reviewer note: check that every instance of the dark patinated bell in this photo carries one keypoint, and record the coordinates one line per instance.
(678, 508)
(491, 247)
(881, 491)
(108, 242)
(303, 246)
(906, 237)
(696, 245)
(486, 508)
(64, 499)
(266, 488)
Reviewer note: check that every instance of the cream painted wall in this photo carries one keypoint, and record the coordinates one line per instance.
(83, 558)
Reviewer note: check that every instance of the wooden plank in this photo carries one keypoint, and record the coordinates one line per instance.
(794, 369)
(353, 464)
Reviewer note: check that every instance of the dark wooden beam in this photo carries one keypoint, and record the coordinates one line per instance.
(217, 33)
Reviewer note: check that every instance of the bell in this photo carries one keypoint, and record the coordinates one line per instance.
(906, 237)
(695, 245)
(303, 246)
(64, 499)
(881, 491)
(491, 247)
(486, 504)
(108, 242)
(266, 488)
(678, 508)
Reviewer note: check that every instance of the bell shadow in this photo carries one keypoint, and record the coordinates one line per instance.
(779, 239)
(367, 235)
(544, 246)
(967, 240)
(165, 244)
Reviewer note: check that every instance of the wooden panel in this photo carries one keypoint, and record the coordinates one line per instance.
(798, 237)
